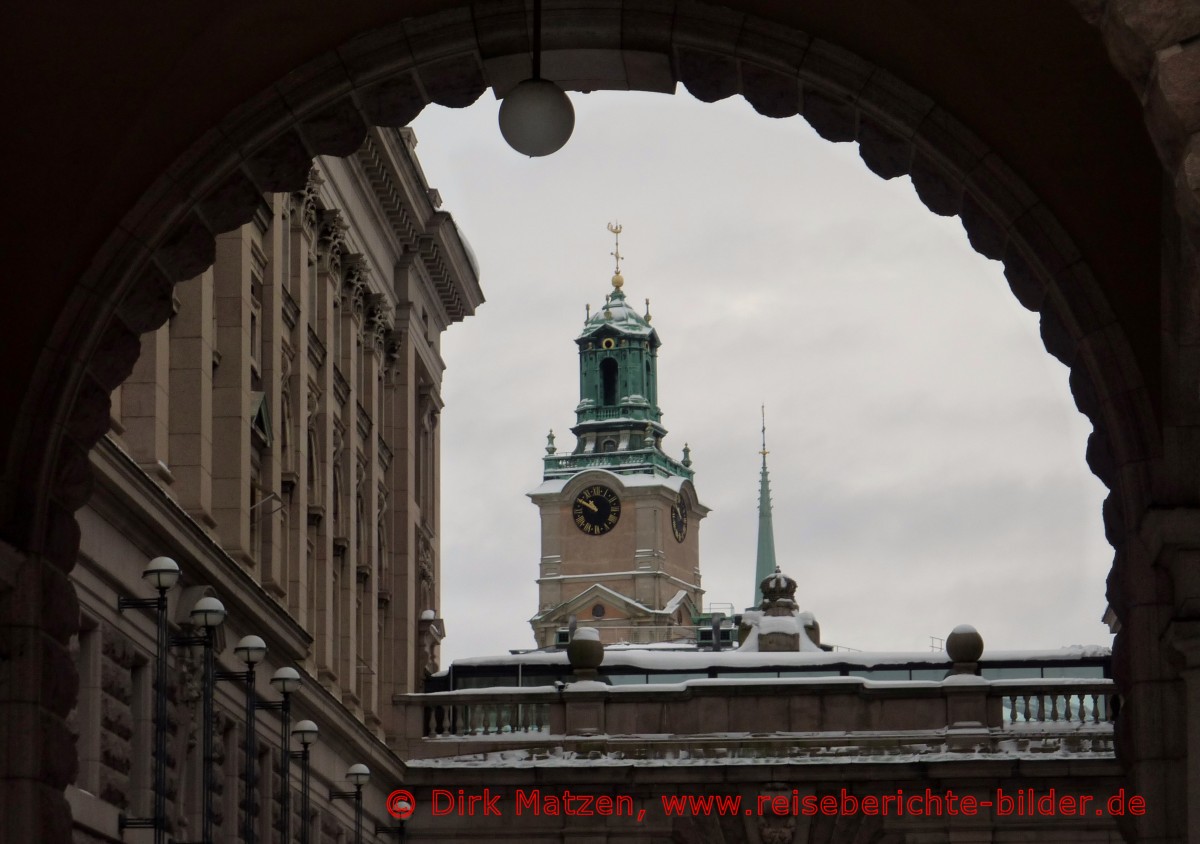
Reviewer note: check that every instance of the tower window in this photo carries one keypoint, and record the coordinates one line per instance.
(608, 376)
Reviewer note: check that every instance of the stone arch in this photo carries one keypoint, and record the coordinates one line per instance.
(387, 76)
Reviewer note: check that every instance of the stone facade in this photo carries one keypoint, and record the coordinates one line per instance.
(626, 583)
(278, 437)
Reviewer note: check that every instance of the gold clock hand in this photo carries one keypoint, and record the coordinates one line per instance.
(588, 504)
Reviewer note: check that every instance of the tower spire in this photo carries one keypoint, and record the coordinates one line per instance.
(764, 564)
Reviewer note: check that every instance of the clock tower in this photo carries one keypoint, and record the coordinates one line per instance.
(620, 518)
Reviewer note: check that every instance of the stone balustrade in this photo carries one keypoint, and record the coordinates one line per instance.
(1064, 701)
(839, 716)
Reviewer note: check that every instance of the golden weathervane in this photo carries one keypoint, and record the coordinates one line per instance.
(615, 228)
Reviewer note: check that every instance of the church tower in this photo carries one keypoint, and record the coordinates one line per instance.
(620, 518)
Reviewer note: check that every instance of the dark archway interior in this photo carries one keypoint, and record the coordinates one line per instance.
(162, 124)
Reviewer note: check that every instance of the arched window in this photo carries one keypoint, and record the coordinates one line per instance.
(608, 376)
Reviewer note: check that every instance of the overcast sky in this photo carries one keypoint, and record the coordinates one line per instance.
(926, 459)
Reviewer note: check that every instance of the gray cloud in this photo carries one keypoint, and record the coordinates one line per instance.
(927, 461)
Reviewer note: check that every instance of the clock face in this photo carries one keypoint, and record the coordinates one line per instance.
(596, 510)
(679, 519)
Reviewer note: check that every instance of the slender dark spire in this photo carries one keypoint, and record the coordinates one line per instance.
(765, 562)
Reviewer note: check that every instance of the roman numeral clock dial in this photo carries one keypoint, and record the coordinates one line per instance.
(596, 510)
(679, 520)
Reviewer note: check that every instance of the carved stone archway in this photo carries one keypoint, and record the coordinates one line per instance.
(387, 76)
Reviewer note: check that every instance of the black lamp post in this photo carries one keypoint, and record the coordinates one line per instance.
(306, 733)
(162, 573)
(251, 650)
(285, 681)
(208, 614)
(358, 774)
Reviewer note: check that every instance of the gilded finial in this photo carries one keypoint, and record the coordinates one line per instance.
(647, 310)
(617, 280)
(550, 449)
(587, 311)
(687, 455)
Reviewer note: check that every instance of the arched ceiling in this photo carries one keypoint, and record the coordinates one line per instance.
(107, 96)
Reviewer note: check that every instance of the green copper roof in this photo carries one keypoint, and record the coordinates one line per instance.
(618, 316)
(764, 565)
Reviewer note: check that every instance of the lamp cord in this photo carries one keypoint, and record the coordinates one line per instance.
(537, 39)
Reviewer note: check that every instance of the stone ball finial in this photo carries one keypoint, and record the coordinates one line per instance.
(964, 644)
(585, 652)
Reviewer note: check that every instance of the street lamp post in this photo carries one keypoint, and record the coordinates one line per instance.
(285, 680)
(162, 573)
(306, 733)
(208, 614)
(251, 650)
(358, 774)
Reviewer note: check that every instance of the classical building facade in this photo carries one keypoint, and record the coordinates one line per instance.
(278, 437)
(620, 520)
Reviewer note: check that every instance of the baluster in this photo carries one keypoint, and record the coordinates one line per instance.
(543, 717)
(1055, 714)
(439, 719)
(1097, 702)
(426, 718)
(1012, 709)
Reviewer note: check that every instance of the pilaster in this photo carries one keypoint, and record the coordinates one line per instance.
(145, 405)
(193, 361)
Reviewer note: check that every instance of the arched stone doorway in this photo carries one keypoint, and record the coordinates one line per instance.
(1013, 211)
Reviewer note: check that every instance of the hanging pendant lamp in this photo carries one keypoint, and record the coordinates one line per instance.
(536, 117)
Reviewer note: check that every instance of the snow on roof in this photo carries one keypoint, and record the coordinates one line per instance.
(665, 659)
(672, 482)
(588, 595)
(675, 601)
(724, 749)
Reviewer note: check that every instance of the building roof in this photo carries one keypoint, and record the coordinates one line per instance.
(618, 317)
